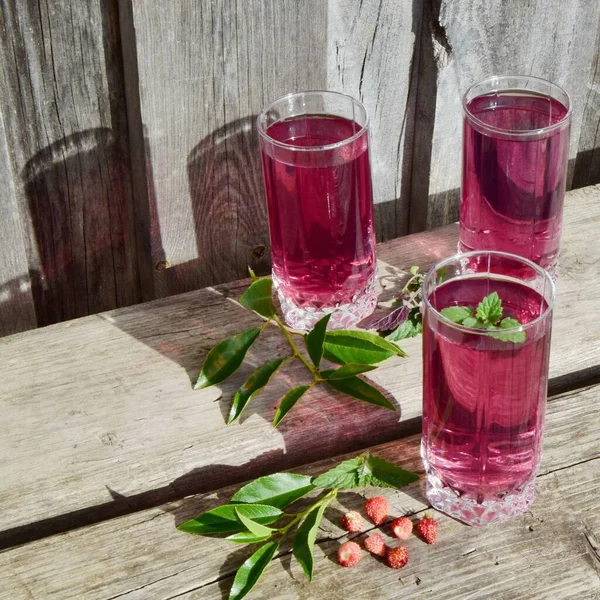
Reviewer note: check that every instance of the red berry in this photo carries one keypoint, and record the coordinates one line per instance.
(377, 509)
(397, 557)
(427, 529)
(376, 545)
(402, 528)
(349, 554)
(352, 521)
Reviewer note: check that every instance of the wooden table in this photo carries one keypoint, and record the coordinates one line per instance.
(105, 447)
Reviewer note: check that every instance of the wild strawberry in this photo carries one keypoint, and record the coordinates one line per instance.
(402, 528)
(375, 544)
(349, 554)
(377, 509)
(427, 529)
(352, 521)
(397, 557)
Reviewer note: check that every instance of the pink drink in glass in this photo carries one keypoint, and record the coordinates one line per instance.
(484, 398)
(515, 151)
(319, 197)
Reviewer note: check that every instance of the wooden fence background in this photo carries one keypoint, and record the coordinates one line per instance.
(129, 166)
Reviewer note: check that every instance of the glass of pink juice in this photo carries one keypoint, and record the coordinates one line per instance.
(515, 152)
(483, 397)
(315, 156)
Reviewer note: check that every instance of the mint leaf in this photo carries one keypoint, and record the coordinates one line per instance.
(457, 314)
(288, 402)
(278, 489)
(258, 297)
(304, 539)
(408, 329)
(225, 358)
(224, 519)
(490, 309)
(252, 526)
(473, 323)
(254, 384)
(359, 347)
(518, 337)
(342, 476)
(387, 474)
(361, 390)
(314, 340)
(249, 573)
(414, 270)
(346, 371)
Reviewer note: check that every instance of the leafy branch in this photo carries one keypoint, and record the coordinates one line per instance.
(257, 513)
(355, 351)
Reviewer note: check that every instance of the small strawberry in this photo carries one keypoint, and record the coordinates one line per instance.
(377, 509)
(402, 528)
(349, 554)
(352, 521)
(376, 545)
(397, 557)
(427, 529)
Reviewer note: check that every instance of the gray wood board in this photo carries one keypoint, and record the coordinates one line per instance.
(465, 42)
(16, 302)
(63, 108)
(100, 411)
(197, 106)
(143, 556)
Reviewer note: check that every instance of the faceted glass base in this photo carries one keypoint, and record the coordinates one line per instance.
(303, 317)
(470, 511)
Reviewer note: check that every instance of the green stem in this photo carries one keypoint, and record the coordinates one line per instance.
(295, 349)
(328, 497)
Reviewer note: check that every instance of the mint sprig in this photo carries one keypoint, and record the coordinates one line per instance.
(356, 352)
(488, 315)
(262, 502)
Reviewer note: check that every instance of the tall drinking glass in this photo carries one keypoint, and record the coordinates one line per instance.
(315, 156)
(484, 394)
(515, 151)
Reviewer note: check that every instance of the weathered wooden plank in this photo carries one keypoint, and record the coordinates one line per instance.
(587, 163)
(102, 407)
(143, 556)
(63, 110)
(197, 107)
(16, 302)
(464, 42)
(371, 56)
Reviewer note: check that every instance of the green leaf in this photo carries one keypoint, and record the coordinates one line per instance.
(473, 323)
(304, 539)
(279, 489)
(249, 573)
(342, 476)
(359, 347)
(252, 526)
(254, 384)
(288, 402)
(346, 371)
(361, 390)
(246, 537)
(414, 270)
(518, 337)
(225, 358)
(457, 314)
(382, 473)
(408, 329)
(490, 309)
(314, 340)
(259, 297)
(223, 519)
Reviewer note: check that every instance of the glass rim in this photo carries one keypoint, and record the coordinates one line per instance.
(486, 332)
(263, 132)
(518, 133)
